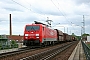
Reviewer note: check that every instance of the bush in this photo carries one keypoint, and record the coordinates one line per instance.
(14, 44)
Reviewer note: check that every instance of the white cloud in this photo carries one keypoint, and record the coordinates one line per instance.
(60, 11)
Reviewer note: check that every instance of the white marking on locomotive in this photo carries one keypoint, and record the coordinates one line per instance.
(31, 32)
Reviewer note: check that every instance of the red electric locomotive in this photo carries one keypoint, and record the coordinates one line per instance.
(39, 34)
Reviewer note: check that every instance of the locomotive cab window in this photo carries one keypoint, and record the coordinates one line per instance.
(28, 28)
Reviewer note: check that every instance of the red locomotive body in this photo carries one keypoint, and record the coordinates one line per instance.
(39, 34)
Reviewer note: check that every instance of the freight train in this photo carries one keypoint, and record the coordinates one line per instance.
(39, 34)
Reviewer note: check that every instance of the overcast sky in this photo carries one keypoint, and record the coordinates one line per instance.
(69, 13)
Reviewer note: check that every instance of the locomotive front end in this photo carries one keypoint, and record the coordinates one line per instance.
(32, 35)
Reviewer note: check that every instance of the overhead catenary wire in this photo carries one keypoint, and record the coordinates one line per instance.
(41, 11)
(37, 9)
(59, 10)
(62, 13)
(27, 8)
(21, 5)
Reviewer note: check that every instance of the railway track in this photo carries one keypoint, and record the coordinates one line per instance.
(7, 55)
(64, 55)
(12, 53)
(37, 54)
(49, 54)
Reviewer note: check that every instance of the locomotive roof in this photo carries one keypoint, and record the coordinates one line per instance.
(65, 33)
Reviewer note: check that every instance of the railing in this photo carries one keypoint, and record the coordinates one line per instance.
(86, 50)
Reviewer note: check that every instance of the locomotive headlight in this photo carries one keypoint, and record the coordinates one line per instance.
(26, 34)
(26, 37)
(37, 34)
(37, 37)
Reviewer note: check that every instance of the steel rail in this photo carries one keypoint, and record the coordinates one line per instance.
(46, 55)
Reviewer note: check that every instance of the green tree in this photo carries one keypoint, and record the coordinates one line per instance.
(14, 44)
(85, 34)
